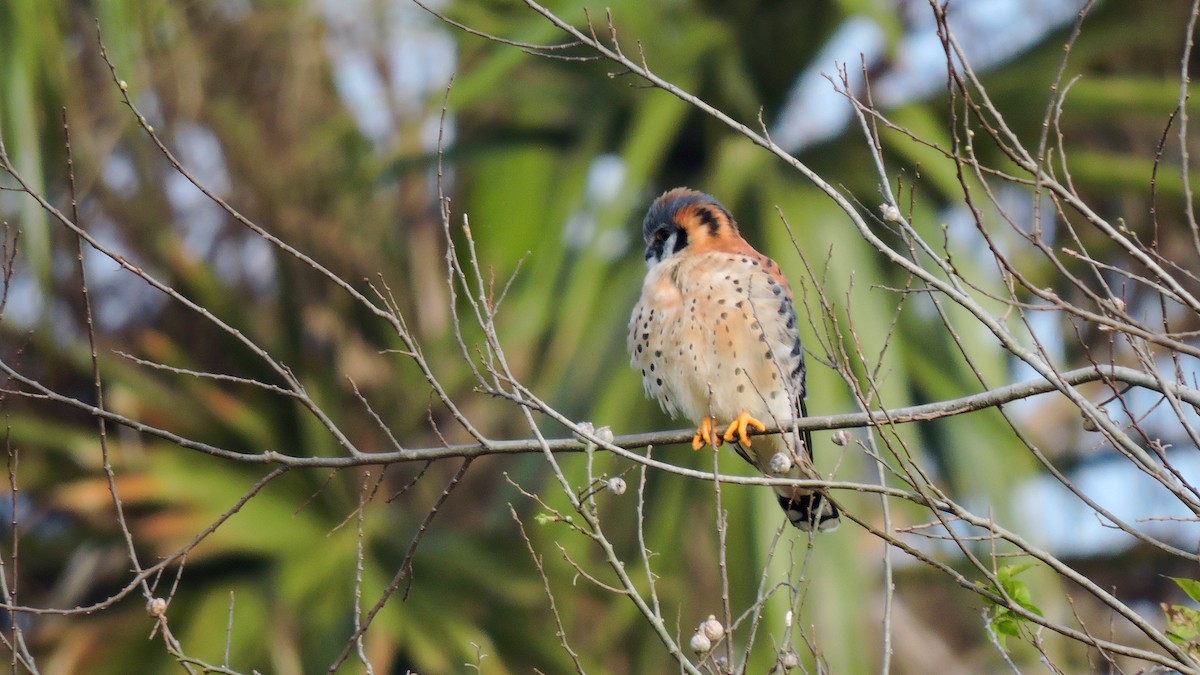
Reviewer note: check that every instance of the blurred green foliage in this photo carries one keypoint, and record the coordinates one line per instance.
(1183, 622)
(257, 76)
(1005, 622)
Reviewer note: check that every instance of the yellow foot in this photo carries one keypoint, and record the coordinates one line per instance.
(705, 435)
(737, 428)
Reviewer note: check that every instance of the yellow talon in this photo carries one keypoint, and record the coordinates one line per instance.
(705, 436)
(738, 428)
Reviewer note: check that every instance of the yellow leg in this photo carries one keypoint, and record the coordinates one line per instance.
(705, 436)
(738, 428)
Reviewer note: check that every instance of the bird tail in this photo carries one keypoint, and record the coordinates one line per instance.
(810, 510)
(813, 511)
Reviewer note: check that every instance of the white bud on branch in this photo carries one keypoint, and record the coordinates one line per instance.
(779, 464)
(615, 485)
(890, 213)
(156, 607)
(712, 628)
(604, 434)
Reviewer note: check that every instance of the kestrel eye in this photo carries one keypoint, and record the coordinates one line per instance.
(660, 236)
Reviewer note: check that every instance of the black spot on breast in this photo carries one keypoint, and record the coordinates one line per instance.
(658, 352)
(639, 349)
(741, 388)
(795, 348)
(659, 381)
(652, 367)
(777, 290)
(791, 322)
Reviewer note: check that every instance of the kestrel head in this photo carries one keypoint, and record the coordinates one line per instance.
(685, 220)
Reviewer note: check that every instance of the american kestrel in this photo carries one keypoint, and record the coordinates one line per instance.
(715, 337)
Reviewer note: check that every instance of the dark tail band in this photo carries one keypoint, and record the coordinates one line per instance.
(811, 512)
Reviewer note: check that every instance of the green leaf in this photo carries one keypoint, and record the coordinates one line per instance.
(1006, 625)
(1004, 621)
(1189, 586)
(1008, 572)
(1183, 623)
